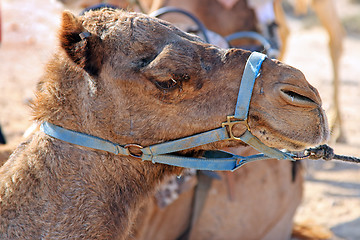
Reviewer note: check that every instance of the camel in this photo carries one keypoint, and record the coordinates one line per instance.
(131, 81)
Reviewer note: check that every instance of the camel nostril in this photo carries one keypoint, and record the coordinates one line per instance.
(298, 99)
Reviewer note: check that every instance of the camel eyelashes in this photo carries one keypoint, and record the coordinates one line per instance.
(167, 85)
(175, 80)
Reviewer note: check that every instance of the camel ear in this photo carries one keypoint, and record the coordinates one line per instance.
(82, 47)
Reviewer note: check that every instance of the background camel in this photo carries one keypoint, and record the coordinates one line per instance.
(57, 189)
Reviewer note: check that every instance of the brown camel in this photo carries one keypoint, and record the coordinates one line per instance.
(131, 79)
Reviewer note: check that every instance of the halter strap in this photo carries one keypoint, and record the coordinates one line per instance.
(211, 160)
(251, 72)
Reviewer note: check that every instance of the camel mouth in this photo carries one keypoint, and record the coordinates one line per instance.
(297, 97)
(300, 142)
(299, 135)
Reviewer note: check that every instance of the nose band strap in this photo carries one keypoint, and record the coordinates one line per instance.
(251, 72)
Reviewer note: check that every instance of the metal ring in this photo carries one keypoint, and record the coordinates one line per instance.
(306, 156)
(131, 145)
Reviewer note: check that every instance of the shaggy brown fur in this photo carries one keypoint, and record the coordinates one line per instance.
(117, 84)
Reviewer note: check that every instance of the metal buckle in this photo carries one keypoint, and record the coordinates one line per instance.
(230, 122)
(239, 163)
(128, 146)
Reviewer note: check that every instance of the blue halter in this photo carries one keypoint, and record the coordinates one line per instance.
(211, 160)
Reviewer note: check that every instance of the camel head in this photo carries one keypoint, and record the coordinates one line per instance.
(129, 78)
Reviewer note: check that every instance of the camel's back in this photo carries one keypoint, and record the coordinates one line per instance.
(214, 16)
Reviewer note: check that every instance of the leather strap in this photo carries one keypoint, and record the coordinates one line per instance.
(251, 72)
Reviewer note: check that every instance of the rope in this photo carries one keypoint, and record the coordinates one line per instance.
(327, 153)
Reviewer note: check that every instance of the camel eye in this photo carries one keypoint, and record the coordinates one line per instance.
(174, 81)
(167, 85)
